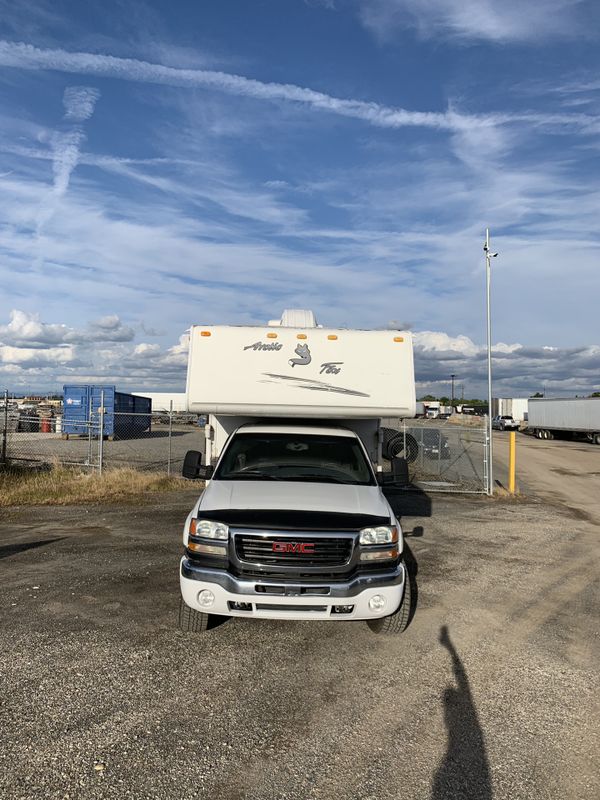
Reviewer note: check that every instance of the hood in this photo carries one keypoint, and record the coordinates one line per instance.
(294, 496)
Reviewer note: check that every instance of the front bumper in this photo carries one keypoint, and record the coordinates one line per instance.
(272, 599)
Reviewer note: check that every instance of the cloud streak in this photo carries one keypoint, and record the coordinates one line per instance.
(475, 20)
(25, 56)
(79, 102)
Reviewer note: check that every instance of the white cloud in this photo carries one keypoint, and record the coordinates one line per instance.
(517, 370)
(27, 330)
(472, 20)
(79, 102)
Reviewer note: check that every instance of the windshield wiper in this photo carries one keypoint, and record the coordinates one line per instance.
(252, 474)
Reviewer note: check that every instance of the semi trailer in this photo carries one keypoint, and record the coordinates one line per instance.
(578, 417)
(293, 522)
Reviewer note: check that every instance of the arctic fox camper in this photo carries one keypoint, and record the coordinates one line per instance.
(293, 523)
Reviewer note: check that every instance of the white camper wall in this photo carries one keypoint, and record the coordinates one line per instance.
(300, 372)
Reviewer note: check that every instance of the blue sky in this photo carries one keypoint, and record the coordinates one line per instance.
(218, 161)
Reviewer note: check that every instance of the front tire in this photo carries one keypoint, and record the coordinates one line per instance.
(398, 621)
(192, 621)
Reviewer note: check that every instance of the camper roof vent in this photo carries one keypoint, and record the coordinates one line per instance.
(295, 318)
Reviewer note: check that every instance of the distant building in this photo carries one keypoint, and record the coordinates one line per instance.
(161, 401)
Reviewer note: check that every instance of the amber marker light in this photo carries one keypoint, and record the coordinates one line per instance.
(398, 338)
(271, 335)
(301, 336)
(205, 333)
(332, 337)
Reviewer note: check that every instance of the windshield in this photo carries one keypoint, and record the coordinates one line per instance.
(295, 457)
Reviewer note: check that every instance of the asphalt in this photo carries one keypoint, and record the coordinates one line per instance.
(558, 471)
(492, 692)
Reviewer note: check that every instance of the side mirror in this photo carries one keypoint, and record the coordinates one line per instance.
(192, 464)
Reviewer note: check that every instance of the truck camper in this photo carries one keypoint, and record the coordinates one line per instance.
(293, 523)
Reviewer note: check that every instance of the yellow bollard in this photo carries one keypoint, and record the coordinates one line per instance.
(512, 460)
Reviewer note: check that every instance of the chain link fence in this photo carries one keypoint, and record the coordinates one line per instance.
(157, 441)
(442, 455)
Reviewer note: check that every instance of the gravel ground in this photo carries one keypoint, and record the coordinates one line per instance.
(492, 691)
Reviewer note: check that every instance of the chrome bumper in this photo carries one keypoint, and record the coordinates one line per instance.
(247, 586)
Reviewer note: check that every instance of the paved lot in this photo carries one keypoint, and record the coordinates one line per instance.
(491, 693)
(558, 471)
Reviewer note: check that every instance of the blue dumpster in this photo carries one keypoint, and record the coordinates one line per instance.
(125, 415)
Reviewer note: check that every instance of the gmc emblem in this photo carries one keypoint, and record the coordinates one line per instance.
(293, 547)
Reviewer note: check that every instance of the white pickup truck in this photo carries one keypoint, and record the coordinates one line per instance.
(293, 523)
(505, 423)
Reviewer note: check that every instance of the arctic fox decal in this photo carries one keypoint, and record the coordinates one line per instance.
(304, 356)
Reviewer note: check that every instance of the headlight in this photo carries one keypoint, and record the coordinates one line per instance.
(383, 534)
(209, 529)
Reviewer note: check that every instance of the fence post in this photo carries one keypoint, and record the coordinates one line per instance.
(170, 436)
(89, 458)
(512, 461)
(486, 459)
(5, 426)
(101, 432)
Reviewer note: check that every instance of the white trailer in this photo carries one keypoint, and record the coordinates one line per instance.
(515, 407)
(550, 418)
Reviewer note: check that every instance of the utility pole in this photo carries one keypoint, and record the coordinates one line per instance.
(488, 256)
(452, 398)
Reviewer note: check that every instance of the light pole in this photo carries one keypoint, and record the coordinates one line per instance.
(452, 398)
(488, 256)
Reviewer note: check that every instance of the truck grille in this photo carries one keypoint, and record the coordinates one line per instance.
(319, 552)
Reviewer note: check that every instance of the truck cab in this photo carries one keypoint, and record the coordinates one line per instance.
(293, 524)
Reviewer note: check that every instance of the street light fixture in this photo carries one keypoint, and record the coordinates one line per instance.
(488, 256)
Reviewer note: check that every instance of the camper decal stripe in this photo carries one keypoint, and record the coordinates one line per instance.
(315, 386)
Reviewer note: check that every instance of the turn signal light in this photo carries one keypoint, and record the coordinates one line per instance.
(379, 555)
(210, 549)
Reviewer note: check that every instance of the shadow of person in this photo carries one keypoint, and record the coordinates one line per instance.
(464, 772)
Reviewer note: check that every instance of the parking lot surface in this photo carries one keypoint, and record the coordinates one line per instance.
(558, 471)
(491, 693)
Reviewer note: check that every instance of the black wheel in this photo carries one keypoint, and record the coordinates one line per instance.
(398, 621)
(597, 438)
(192, 621)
